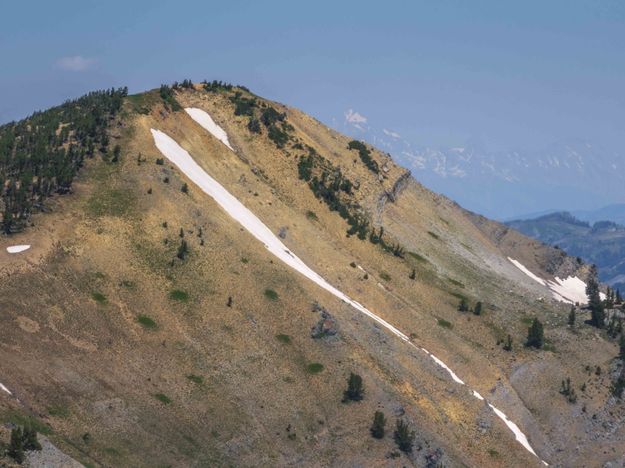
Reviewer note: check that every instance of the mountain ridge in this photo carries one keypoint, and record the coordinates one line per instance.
(147, 318)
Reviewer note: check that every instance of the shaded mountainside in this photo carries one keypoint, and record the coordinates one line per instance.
(145, 326)
(602, 243)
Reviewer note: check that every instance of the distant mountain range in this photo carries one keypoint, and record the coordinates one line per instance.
(575, 176)
(602, 242)
(614, 213)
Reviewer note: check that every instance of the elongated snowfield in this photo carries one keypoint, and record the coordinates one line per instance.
(4, 389)
(207, 122)
(17, 248)
(183, 160)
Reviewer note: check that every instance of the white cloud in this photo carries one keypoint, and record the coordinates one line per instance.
(354, 117)
(391, 133)
(76, 63)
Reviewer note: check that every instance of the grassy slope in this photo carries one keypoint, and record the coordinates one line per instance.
(76, 354)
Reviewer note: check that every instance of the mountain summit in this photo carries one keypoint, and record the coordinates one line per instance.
(196, 275)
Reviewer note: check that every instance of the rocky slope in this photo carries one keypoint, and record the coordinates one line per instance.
(145, 326)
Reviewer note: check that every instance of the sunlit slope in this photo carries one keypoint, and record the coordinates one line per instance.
(209, 359)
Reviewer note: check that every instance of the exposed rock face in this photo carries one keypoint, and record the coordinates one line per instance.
(326, 326)
(392, 194)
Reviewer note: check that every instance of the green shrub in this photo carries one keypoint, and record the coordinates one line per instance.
(311, 215)
(162, 398)
(179, 295)
(98, 297)
(146, 322)
(271, 294)
(314, 368)
(445, 324)
(286, 339)
(385, 276)
(418, 257)
(198, 379)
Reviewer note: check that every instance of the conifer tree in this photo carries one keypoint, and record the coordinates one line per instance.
(355, 389)
(413, 274)
(16, 446)
(597, 313)
(477, 310)
(535, 335)
(377, 428)
(404, 437)
(463, 306)
(29, 438)
(572, 316)
(508, 345)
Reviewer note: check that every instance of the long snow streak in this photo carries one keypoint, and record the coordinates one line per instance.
(183, 160)
(205, 120)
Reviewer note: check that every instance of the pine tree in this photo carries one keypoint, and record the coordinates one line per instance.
(377, 428)
(508, 345)
(413, 274)
(404, 437)
(535, 334)
(29, 438)
(184, 188)
(463, 306)
(597, 313)
(16, 446)
(477, 310)
(572, 316)
(621, 344)
(355, 390)
(183, 250)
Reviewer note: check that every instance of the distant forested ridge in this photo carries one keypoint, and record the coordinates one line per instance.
(41, 154)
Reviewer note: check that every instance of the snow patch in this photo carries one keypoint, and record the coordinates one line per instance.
(17, 248)
(183, 160)
(3, 388)
(569, 290)
(521, 267)
(209, 124)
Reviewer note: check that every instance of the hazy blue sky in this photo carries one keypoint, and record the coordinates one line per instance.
(514, 74)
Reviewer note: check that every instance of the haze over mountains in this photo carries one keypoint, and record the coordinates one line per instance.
(575, 175)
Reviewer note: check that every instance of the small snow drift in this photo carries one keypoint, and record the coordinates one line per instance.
(4, 389)
(240, 213)
(209, 124)
(17, 248)
(569, 290)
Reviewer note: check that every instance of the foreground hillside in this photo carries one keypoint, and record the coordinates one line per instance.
(602, 243)
(148, 325)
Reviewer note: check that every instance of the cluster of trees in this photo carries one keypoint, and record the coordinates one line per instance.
(365, 155)
(404, 436)
(169, 100)
(22, 440)
(215, 85)
(613, 298)
(463, 306)
(41, 154)
(327, 183)
(568, 391)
